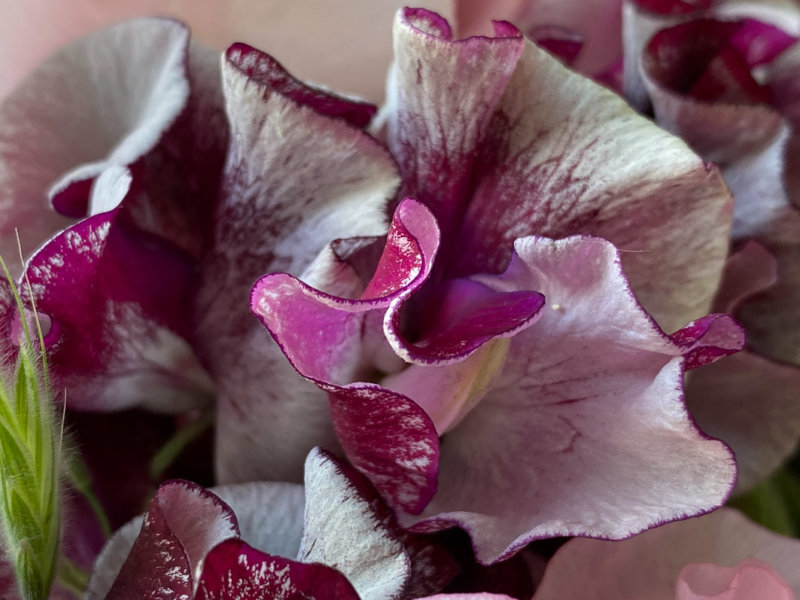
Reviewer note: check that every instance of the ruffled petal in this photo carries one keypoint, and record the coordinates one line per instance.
(436, 124)
(116, 298)
(299, 175)
(183, 524)
(235, 570)
(649, 565)
(580, 162)
(343, 529)
(385, 435)
(586, 424)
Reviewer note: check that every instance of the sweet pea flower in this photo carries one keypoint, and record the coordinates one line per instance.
(723, 76)
(721, 556)
(193, 189)
(544, 410)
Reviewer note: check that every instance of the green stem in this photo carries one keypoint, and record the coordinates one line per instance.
(80, 479)
(177, 443)
(72, 577)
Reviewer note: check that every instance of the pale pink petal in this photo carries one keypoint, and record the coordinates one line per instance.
(342, 528)
(580, 162)
(318, 40)
(748, 579)
(65, 124)
(586, 424)
(648, 565)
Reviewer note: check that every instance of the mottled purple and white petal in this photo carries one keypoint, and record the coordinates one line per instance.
(437, 121)
(299, 175)
(566, 156)
(66, 123)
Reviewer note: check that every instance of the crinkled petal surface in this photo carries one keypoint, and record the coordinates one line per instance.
(584, 432)
(648, 565)
(299, 175)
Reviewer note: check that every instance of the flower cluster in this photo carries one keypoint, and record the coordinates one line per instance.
(463, 320)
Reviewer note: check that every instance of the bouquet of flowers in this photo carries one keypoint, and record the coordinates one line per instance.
(529, 329)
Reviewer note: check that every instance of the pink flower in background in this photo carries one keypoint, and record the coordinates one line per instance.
(720, 556)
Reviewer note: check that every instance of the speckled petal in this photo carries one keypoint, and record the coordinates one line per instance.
(235, 570)
(299, 175)
(183, 524)
(116, 298)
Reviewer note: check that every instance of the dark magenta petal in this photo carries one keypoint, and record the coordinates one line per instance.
(183, 523)
(559, 41)
(708, 339)
(234, 570)
(265, 70)
(116, 298)
(674, 7)
(390, 439)
(295, 313)
(466, 316)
